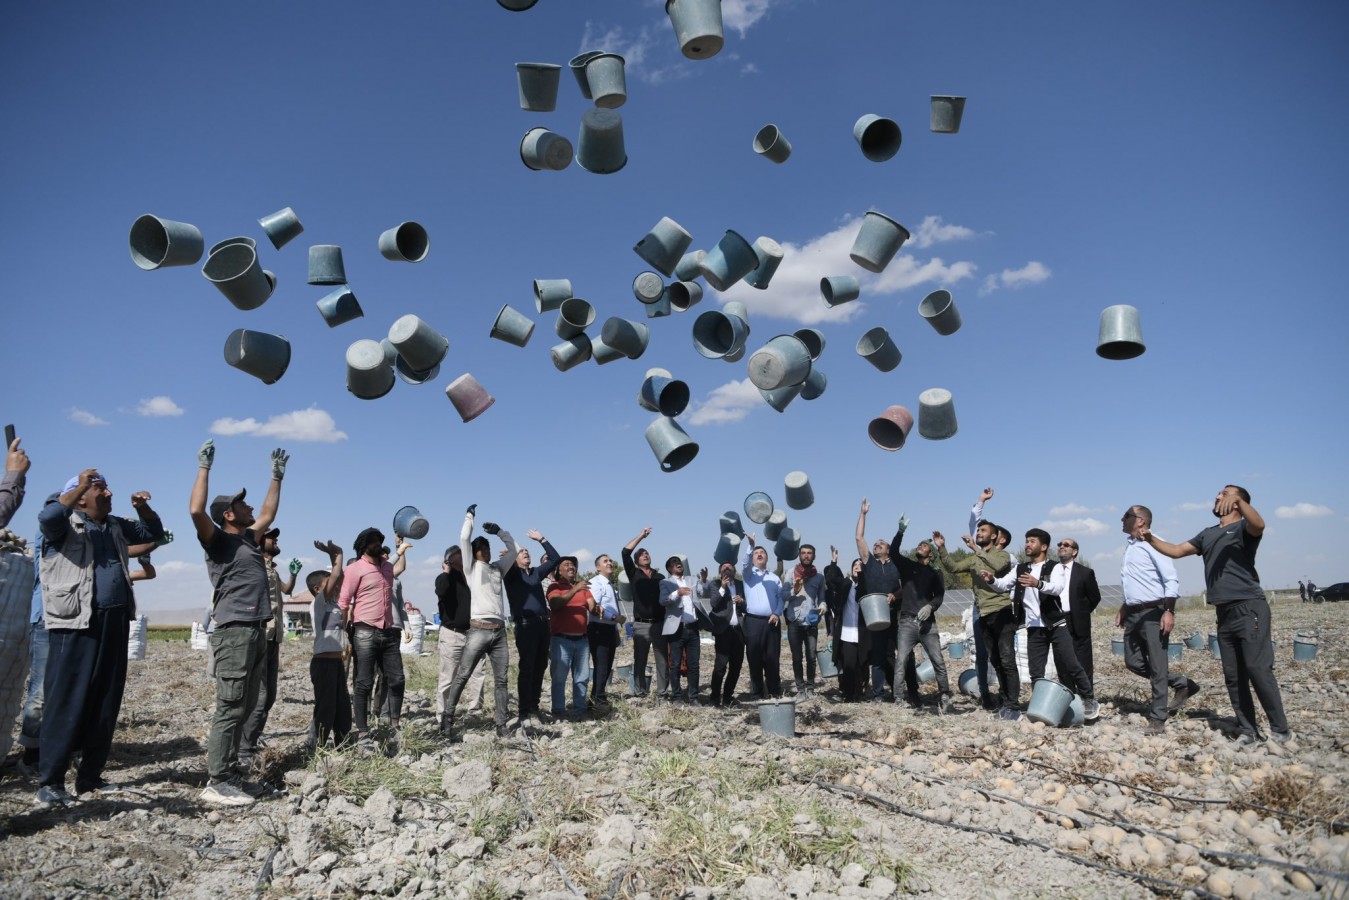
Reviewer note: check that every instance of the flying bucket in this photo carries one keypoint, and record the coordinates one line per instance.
(235, 271)
(681, 295)
(264, 356)
(758, 507)
(159, 243)
(550, 292)
(369, 376)
(410, 523)
(419, 345)
(578, 68)
(574, 316)
(697, 26)
(599, 148)
(814, 384)
(628, 337)
(664, 395)
(572, 352)
(339, 307)
(1049, 702)
(879, 349)
(940, 311)
(769, 253)
(782, 362)
(716, 334)
(875, 610)
(946, 113)
(781, 397)
(406, 242)
(1121, 334)
(772, 529)
(690, 265)
(800, 495)
(936, 414)
(877, 242)
(878, 137)
(891, 428)
(512, 326)
(788, 544)
(470, 399)
(281, 227)
(325, 265)
(839, 289)
(772, 144)
(729, 523)
(538, 83)
(607, 81)
(542, 149)
(729, 261)
(728, 549)
(648, 288)
(673, 448)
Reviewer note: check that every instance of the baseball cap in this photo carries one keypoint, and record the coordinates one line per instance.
(224, 502)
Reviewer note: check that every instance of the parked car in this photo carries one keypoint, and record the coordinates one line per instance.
(1334, 593)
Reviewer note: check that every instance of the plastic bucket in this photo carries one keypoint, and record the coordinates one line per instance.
(778, 717)
(824, 659)
(1049, 702)
(409, 522)
(875, 610)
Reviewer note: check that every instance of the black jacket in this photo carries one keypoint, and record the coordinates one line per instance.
(453, 599)
(1084, 595)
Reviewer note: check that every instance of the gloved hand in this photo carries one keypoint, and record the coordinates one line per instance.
(167, 538)
(925, 613)
(279, 460)
(472, 509)
(296, 566)
(903, 524)
(206, 455)
(491, 527)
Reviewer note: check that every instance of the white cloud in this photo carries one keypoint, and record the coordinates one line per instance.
(1074, 527)
(159, 406)
(795, 290)
(749, 68)
(1303, 511)
(174, 566)
(584, 559)
(1195, 507)
(729, 403)
(1115, 555)
(741, 15)
(635, 50)
(932, 230)
(84, 417)
(1071, 509)
(311, 424)
(1031, 273)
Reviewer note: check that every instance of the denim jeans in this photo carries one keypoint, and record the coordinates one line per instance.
(1000, 639)
(37, 670)
(451, 644)
(1248, 662)
(802, 637)
(377, 648)
(491, 643)
(237, 651)
(882, 660)
(1145, 654)
(683, 643)
(569, 656)
(912, 632)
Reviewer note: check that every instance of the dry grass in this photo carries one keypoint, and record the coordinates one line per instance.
(1297, 795)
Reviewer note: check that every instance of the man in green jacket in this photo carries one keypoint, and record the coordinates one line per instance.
(996, 617)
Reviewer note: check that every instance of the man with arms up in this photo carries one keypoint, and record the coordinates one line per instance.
(367, 601)
(1234, 590)
(880, 576)
(921, 595)
(278, 589)
(230, 535)
(529, 613)
(762, 620)
(995, 610)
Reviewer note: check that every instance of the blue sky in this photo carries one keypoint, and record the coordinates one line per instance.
(1182, 158)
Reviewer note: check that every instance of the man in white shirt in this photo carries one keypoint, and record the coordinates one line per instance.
(1036, 586)
(680, 628)
(1147, 616)
(602, 628)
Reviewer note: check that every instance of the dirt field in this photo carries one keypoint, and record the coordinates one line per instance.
(867, 801)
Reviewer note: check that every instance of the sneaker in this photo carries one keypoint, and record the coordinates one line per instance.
(1246, 738)
(258, 790)
(102, 787)
(226, 793)
(446, 725)
(54, 795)
(1281, 737)
(1181, 695)
(988, 702)
(1155, 727)
(1009, 714)
(503, 731)
(1091, 710)
(946, 705)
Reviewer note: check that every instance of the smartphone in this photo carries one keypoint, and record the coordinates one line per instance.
(9, 436)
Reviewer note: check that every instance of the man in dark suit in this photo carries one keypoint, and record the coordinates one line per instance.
(725, 597)
(1080, 601)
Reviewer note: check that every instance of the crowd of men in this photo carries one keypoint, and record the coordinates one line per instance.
(77, 602)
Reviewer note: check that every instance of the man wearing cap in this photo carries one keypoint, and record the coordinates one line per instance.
(231, 533)
(277, 591)
(763, 617)
(89, 606)
(367, 602)
(487, 616)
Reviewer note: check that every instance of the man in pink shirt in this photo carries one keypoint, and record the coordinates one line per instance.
(367, 602)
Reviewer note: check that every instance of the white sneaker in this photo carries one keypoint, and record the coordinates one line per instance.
(1091, 710)
(226, 794)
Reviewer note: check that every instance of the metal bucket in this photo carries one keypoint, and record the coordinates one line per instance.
(824, 659)
(926, 672)
(969, 683)
(778, 717)
(409, 522)
(1195, 641)
(1117, 646)
(1175, 650)
(875, 610)
(956, 649)
(1304, 646)
(1049, 702)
